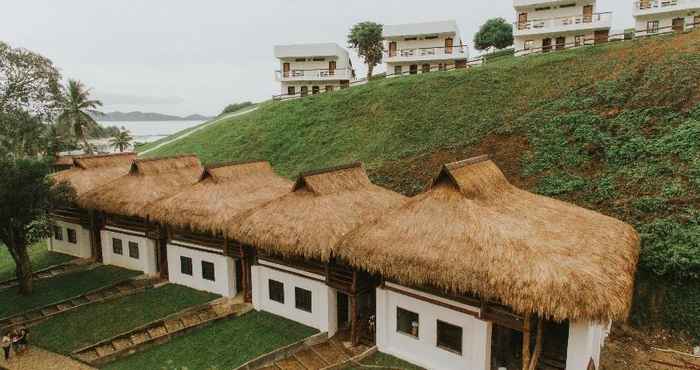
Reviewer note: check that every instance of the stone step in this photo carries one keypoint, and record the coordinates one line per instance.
(290, 364)
(330, 353)
(310, 359)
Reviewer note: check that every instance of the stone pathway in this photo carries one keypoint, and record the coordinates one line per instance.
(38, 359)
(77, 264)
(318, 356)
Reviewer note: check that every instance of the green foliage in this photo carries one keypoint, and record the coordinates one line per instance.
(671, 246)
(559, 184)
(74, 105)
(235, 107)
(648, 204)
(39, 255)
(22, 135)
(121, 140)
(366, 38)
(496, 32)
(682, 307)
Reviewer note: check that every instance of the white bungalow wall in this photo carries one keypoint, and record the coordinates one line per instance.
(423, 351)
(586, 339)
(81, 248)
(323, 315)
(666, 21)
(224, 269)
(147, 250)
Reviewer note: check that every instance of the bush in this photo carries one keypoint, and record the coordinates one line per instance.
(235, 107)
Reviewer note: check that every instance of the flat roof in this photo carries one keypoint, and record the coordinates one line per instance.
(310, 50)
(424, 28)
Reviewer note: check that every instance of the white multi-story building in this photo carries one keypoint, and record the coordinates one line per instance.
(544, 25)
(659, 16)
(423, 47)
(313, 68)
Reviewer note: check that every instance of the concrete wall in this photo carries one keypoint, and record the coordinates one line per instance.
(81, 248)
(555, 11)
(586, 339)
(665, 21)
(423, 351)
(224, 270)
(323, 315)
(309, 84)
(406, 67)
(570, 37)
(147, 250)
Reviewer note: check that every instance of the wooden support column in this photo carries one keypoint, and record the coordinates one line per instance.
(95, 238)
(354, 337)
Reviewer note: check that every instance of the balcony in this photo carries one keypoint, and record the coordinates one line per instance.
(596, 21)
(650, 7)
(426, 54)
(315, 75)
(530, 3)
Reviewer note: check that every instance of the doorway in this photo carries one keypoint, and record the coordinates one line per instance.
(601, 37)
(343, 304)
(392, 49)
(560, 43)
(304, 90)
(546, 45)
(522, 21)
(331, 68)
(238, 266)
(588, 14)
(285, 69)
(678, 24)
(413, 69)
(449, 42)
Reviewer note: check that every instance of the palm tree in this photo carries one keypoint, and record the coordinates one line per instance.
(75, 104)
(121, 140)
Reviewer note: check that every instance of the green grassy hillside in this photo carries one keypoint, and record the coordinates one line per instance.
(614, 128)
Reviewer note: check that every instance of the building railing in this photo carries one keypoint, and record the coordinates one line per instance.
(663, 5)
(315, 74)
(429, 52)
(543, 24)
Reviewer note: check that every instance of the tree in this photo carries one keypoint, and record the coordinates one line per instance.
(28, 81)
(26, 193)
(496, 32)
(122, 140)
(22, 135)
(235, 107)
(366, 37)
(75, 105)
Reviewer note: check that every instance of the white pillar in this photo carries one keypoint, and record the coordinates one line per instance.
(585, 342)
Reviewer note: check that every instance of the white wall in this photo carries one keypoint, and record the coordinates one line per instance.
(555, 11)
(665, 22)
(224, 270)
(323, 315)
(80, 249)
(586, 339)
(147, 250)
(310, 84)
(570, 38)
(423, 351)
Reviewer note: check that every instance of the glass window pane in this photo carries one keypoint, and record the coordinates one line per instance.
(407, 322)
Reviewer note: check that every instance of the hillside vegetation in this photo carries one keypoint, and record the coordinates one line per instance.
(615, 128)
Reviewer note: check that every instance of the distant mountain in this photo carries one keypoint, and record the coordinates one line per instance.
(141, 116)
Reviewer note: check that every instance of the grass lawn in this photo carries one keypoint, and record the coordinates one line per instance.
(39, 254)
(386, 361)
(47, 291)
(66, 333)
(224, 345)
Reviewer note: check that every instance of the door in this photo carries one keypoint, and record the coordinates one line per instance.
(343, 310)
(449, 42)
(522, 21)
(315, 90)
(678, 24)
(696, 21)
(425, 68)
(413, 69)
(588, 13)
(304, 90)
(601, 36)
(291, 90)
(238, 265)
(546, 45)
(162, 245)
(331, 68)
(285, 69)
(392, 49)
(560, 42)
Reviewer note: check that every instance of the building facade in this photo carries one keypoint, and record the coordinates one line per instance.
(423, 47)
(662, 16)
(545, 25)
(306, 69)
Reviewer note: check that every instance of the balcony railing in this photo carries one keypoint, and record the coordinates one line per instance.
(438, 52)
(315, 74)
(564, 22)
(645, 6)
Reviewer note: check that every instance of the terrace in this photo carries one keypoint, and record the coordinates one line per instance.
(315, 75)
(563, 24)
(649, 7)
(426, 53)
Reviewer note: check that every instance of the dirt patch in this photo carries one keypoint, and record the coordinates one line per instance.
(629, 348)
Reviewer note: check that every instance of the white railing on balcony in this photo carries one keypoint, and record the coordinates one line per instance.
(564, 22)
(664, 5)
(315, 74)
(428, 53)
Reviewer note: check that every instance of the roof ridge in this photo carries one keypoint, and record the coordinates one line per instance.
(232, 163)
(467, 162)
(330, 169)
(142, 160)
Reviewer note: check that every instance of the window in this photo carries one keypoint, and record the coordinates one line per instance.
(406, 322)
(449, 337)
(57, 233)
(578, 40)
(652, 26)
(304, 90)
(397, 70)
(302, 299)
(432, 37)
(529, 44)
(291, 90)
(186, 265)
(319, 59)
(315, 90)
(300, 60)
(72, 236)
(134, 250)
(567, 5)
(329, 88)
(117, 246)
(411, 38)
(276, 290)
(543, 8)
(442, 67)
(425, 68)
(208, 271)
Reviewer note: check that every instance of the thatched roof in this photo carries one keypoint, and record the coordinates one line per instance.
(321, 208)
(148, 180)
(472, 232)
(222, 193)
(90, 171)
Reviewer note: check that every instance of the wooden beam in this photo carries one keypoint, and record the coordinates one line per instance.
(354, 337)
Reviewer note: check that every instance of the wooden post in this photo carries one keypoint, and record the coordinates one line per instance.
(526, 343)
(95, 238)
(353, 320)
(538, 345)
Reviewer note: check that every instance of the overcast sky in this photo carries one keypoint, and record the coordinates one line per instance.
(182, 57)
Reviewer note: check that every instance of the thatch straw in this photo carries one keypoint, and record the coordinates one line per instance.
(472, 232)
(90, 171)
(223, 192)
(321, 208)
(148, 180)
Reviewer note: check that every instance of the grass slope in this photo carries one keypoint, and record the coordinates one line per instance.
(63, 334)
(223, 345)
(615, 128)
(38, 253)
(47, 291)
